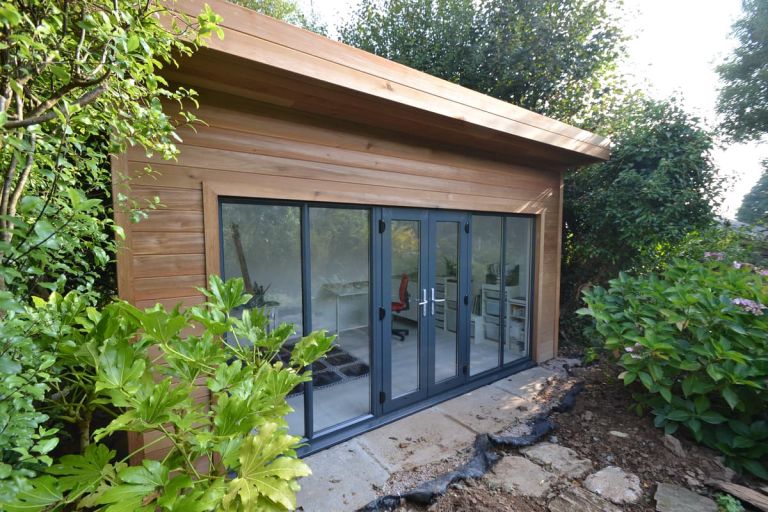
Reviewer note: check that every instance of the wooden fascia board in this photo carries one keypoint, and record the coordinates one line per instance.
(266, 41)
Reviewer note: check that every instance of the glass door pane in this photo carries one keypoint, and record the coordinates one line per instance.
(517, 281)
(485, 332)
(404, 279)
(340, 292)
(445, 304)
(261, 243)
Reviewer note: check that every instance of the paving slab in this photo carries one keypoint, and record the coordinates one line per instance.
(559, 459)
(487, 409)
(343, 478)
(616, 485)
(576, 499)
(673, 498)
(521, 477)
(527, 383)
(422, 438)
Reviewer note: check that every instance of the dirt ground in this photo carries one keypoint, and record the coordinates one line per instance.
(635, 445)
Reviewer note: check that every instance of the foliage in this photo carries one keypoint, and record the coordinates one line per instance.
(629, 213)
(143, 364)
(554, 57)
(754, 206)
(691, 340)
(79, 82)
(743, 102)
(727, 503)
(286, 10)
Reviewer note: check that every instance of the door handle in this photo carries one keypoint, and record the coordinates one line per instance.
(423, 302)
(435, 300)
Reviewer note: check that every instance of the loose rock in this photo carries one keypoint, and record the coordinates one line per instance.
(673, 445)
(615, 485)
(618, 434)
(559, 459)
(521, 477)
(576, 499)
(673, 498)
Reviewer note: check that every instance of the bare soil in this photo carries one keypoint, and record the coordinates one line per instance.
(604, 428)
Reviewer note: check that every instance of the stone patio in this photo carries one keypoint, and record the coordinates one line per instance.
(347, 476)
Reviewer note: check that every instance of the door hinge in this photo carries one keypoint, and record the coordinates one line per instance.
(465, 369)
(466, 300)
(382, 397)
(382, 313)
(466, 227)
(382, 226)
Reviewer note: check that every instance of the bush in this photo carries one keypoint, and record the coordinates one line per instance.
(144, 368)
(692, 342)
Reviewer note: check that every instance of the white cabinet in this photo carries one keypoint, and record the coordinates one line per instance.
(515, 319)
(445, 312)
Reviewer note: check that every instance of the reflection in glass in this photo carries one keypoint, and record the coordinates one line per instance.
(484, 348)
(517, 278)
(446, 300)
(262, 245)
(340, 269)
(404, 283)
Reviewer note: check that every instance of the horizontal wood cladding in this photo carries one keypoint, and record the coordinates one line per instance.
(260, 40)
(254, 150)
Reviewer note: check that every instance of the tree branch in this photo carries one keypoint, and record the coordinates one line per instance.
(23, 177)
(82, 101)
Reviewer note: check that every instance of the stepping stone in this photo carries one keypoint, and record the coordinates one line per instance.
(561, 460)
(526, 384)
(487, 409)
(422, 438)
(615, 485)
(521, 477)
(673, 498)
(343, 478)
(576, 499)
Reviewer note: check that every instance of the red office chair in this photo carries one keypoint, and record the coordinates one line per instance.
(404, 304)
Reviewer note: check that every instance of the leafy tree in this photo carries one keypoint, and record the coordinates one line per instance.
(79, 81)
(629, 213)
(550, 56)
(286, 10)
(743, 100)
(754, 206)
(438, 37)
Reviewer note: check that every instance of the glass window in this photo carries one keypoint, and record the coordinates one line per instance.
(262, 244)
(446, 300)
(517, 279)
(340, 269)
(404, 283)
(484, 333)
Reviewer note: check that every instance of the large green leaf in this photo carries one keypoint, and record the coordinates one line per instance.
(265, 475)
(44, 492)
(83, 473)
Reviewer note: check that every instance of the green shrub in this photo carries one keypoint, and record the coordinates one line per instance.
(693, 343)
(144, 366)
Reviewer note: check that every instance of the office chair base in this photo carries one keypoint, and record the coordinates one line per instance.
(400, 333)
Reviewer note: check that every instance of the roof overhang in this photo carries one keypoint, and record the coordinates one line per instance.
(270, 61)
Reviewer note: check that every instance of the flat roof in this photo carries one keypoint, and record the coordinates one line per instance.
(344, 79)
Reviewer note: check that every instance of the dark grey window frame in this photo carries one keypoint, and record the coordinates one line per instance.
(316, 441)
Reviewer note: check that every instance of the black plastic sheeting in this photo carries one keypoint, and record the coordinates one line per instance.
(484, 458)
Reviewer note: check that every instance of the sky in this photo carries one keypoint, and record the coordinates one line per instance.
(675, 47)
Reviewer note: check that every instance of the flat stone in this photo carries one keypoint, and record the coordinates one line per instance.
(526, 384)
(576, 499)
(487, 409)
(343, 478)
(615, 485)
(674, 445)
(616, 433)
(559, 459)
(521, 477)
(422, 438)
(673, 498)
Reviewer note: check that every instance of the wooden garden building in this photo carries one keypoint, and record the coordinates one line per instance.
(417, 220)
